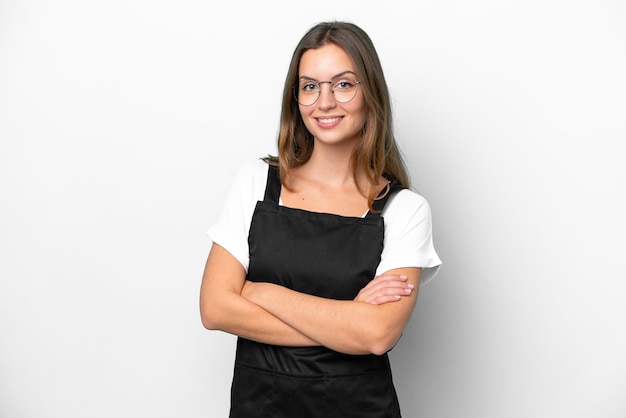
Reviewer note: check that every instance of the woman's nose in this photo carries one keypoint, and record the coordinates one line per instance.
(326, 99)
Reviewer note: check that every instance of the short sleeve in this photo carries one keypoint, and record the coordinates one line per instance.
(232, 228)
(408, 240)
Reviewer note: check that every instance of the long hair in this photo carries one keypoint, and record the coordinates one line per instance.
(377, 153)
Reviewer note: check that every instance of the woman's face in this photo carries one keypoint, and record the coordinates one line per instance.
(329, 120)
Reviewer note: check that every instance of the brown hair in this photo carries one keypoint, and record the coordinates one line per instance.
(377, 153)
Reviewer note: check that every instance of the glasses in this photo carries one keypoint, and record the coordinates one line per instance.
(307, 92)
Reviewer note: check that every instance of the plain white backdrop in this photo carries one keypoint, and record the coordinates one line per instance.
(122, 122)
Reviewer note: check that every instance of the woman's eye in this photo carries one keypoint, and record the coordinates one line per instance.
(309, 87)
(344, 84)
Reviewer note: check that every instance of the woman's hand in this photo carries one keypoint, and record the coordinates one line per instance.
(385, 289)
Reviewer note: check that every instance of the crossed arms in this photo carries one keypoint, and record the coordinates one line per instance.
(272, 314)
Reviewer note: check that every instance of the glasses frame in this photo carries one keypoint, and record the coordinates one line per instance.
(319, 93)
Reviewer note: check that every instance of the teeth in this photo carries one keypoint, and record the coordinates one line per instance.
(329, 120)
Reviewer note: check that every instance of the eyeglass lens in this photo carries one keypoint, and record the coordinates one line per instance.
(307, 92)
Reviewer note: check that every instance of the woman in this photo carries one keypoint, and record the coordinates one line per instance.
(318, 254)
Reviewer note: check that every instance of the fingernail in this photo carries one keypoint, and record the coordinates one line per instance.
(411, 286)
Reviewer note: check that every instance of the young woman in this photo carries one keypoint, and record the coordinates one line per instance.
(319, 252)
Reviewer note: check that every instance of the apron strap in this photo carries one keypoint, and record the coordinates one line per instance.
(379, 203)
(272, 187)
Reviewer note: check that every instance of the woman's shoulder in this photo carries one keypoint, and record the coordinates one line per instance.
(250, 172)
(406, 203)
(252, 168)
(408, 197)
(250, 179)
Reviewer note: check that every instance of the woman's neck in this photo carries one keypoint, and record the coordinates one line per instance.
(334, 172)
(331, 165)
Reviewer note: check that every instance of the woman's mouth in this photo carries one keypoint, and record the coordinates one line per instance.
(328, 122)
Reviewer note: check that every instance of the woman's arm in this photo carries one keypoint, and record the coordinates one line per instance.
(223, 308)
(351, 327)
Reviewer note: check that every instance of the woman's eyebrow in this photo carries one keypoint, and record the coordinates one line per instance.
(305, 77)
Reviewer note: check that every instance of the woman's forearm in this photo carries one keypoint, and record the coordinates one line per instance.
(237, 315)
(223, 308)
(350, 327)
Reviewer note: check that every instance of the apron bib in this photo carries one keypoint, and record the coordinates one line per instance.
(325, 255)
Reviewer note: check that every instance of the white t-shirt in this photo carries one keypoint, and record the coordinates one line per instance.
(407, 219)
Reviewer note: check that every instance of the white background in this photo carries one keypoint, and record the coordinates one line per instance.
(122, 123)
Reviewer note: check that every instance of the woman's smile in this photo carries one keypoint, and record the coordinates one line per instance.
(328, 122)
